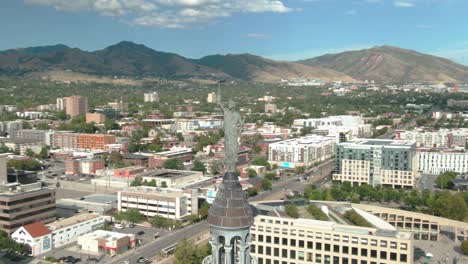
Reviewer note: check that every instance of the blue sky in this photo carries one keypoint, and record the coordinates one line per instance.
(278, 29)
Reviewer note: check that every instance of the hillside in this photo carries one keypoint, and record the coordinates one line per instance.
(127, 59)
(391, 64)
(254, 68)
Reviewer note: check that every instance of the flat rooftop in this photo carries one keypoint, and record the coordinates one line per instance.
(307, 140)
(156, 191)
(167, 174)
(380, 142)
(71, 221)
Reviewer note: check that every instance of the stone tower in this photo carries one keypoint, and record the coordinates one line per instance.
(230, 216)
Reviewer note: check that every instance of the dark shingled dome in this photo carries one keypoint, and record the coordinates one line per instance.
(230, 209)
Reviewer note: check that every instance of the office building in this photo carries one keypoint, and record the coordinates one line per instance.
(185, 125)
(10, 126)
(151, 97)
(344, 120)
(277, 238)
(76, 105)
(437, 162)
(22, 204)
(303, 151)
(377, 162)
(165, 202)
(43, 136)
(96, 118)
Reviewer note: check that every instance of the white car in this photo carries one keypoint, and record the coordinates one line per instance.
(119, 226)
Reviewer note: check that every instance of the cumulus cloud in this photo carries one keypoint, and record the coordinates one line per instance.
(168, 13)
(403, 4)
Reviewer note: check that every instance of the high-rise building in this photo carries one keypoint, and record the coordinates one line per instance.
(212, 99)
(61, 104)
(76, 105)
(3, 170)
(151, 97)
(377, 162)
(97, 118)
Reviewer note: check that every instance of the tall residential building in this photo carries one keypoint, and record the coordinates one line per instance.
(344, 120)
(96, 118)
(443, 138)
(151, 97)
(211, 98)
(277, 238)
(43, 136)
(303, 151)
(61, 104)
(377, 162)
(153, 201)
(76, 105)
(22, 204)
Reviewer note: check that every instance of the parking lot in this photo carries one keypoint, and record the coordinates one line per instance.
(71, 254)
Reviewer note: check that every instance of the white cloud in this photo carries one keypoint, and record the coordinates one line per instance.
(257, 35)
(403, 4)
(167, 13)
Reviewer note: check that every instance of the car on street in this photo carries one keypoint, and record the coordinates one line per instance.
(143, 260)
(141, 233)
(119, 226)
(131, 225)
(125, 262)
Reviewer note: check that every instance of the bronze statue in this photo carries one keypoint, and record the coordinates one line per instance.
(233, 123)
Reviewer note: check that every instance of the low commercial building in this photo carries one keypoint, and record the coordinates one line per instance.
(154, 201)
(106, 242)
(277, 238)
(42, 238)
(182, 154)
(171, 178)
(22, 145)
(390, 163)
(344, 120)
(303, 151)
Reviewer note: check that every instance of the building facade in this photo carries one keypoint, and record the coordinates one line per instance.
(74, 141)
(97, 118)
(25, 204)
(107, 242)
(377, 162)
(304, 151)
(151, 97)
(153, 201)
(444, 138)
(76, 105)
(437, 162)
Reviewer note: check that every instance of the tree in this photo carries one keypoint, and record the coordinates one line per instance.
(163, 184)
(184, 253)
(174, 164)
(251, 172)
(270, 176)
(199, 166)
(266, 185)
(216, 167)
(204, 209)
(291, 210)
(464, 247)
(43, 126)
(257, 149)
(28, 165)
(261, 161)
(300, 170)
(251, 192)
(29, 153)
(115, 157)
(159, 222)
(131, 215)
(444, 180)
(192, 218)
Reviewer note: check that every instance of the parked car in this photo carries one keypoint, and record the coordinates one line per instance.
(119, 226)
(131, 225)
(141, 233)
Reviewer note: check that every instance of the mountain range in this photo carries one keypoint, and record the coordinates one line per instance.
(382, 64)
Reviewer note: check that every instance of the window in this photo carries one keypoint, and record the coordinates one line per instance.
(260, 249)
(310, 244)
(363, 252)
(285, 242)
(373, 253)
(252, 248)
(292, 242)
(301, 243)
(300, 255)
(268, 251)
(292, 254)
(354, 251)
(383, 255)
(393, 256)
(276, 240)
(318, 246)
(268, 239)
(276, 252)
(403, 258)
(327, 247)
(284, 253)
(260, 238)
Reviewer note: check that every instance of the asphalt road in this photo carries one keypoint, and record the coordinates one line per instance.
(410, 123)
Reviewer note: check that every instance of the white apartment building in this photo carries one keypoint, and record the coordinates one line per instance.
(437, 162)
(344, 133)
(285, 240)
(211, 98)
(183, 125)
(303, 151)
(9, 126)
(151, 97)
(61, 104)
(344, 120)
(444, 138)
(42, 238)
(165, 202)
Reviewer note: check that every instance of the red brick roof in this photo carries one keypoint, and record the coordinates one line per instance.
(37, 229)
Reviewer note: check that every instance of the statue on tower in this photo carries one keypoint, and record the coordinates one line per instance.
(233, 123)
